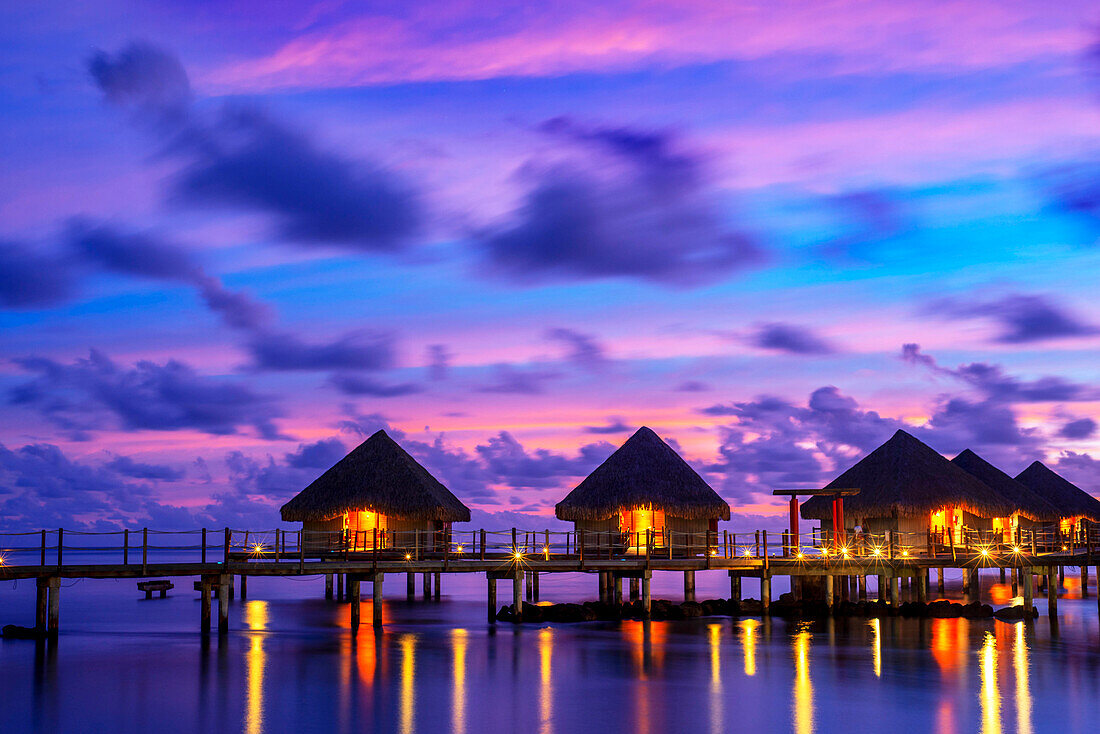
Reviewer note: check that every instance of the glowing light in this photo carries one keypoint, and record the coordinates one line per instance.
(747, 552)
(824, 551)
(458, 549)
(408, 556)
(257, 549)
(905, 554)
(1016, 549)
(844, 552)
(517, 556)
(984, 551)
(1063, 547)
(876, 551)
(800, 555)
(3, 559)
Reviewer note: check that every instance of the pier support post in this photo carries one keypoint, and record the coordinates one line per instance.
(1002, 574)
(975, 585)
(882, 590)
(895, 590)
(617, 590)
(830, 593)
(689, 586)
(1015, 582)
(491, 595)
(1052, 593)
(354, 598)
(922, 587)
(41, 600)
(941, 588)
(1029, 585)
(436, 584)
(634, 592)
(861, 582)
(735, 588)
(645, 593)
(244, 587)
(517, 597)
(376, 599)
(529, 587)
(603, 586)
(1085, 580)
(204, 611)
(765, 593)
(223, 603)
(53, 621)
(427, 586)
(410, 586)
(966, 582)
(328, 586)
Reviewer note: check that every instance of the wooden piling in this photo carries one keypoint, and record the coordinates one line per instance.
(1052, 593)
(1029, 600)
(376, 598)
(41, 602)
(204, 608)
(881, 588)
(895, 597)
(328, 586)
(603, 586)
(645, 593)
(517, 596)
(975, 584)
(535, 576)
(355, 599)
(53, 616)
(223, 601)
(244, 587)
(427, 586)
(436, 585)
(735, 587)
(765, 593)
(410, 586)
(528, 587)
(941, 587)
(1085, 580)
(922, 587)
(492, 597)
(689, 586)
(616, 589)
(861, 582)
(830, 593)
(634, 590)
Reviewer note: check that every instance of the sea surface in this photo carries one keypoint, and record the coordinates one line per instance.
(124, 664)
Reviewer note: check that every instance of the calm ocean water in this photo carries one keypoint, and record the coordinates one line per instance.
(124, 664)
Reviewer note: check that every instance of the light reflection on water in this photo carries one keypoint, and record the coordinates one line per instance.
(292, 665)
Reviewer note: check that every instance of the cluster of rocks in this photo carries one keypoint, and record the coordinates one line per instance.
(786, 606)
(16, 632)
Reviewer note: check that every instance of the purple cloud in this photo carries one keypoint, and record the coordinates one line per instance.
(127, 467)
(352, 384)
(30, 278)
(1023, 318)
(789, 338)
(614, 425)
(583, 349)
(359, 350)
(1080, 428)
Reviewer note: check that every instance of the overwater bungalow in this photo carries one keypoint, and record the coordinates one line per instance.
(644, 486)
(1074, 504)
(905, 486)
(1031, 510)
(378, 493)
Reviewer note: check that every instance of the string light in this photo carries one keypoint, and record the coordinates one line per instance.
(408, 556)
(876, 551)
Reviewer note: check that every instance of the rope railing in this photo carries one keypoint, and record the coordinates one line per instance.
(145, 545)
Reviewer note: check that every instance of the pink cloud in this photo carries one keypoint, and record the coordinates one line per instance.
(467, 41)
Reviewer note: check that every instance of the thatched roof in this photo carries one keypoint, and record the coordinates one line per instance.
(1068, 498)
(643, 472)
(1026, 502)
(906, 477)
(378, 476)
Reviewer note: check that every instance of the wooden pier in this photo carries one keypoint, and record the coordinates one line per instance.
(840, 572)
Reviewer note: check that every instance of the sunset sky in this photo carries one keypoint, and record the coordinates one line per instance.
(236, 238)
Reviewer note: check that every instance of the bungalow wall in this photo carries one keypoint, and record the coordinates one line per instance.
(687, 535)
(399, 534)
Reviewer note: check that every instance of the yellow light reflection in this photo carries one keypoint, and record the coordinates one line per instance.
(748, 643)
(255, 616)
(802, 708)
(408, 680)
(990, 696)
(1023, 683)
(546, 689)
(714, 632)
(458, 702)
(876, 645)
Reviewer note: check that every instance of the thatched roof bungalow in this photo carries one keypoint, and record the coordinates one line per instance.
(1031, 510)
(1073, 503)
(377, 491)
(645, 485)
(906, 486)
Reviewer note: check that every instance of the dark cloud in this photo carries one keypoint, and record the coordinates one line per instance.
(242, 158)
(239, 310)
(1022, 318)
(1081, 469)
(144, 78)
(319, 455)
(789, 338)
(630, 205)
(127, 467)
(508, 379)
(1080, 428)
(359, 350)
(509, 462)
(439, 362)
(352, 384)
(583, 349)
(30, 278)
(614, 425)
(365, 425)
(86, 394)
(139, 255)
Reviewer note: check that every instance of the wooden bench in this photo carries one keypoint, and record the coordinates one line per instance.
(161, 585)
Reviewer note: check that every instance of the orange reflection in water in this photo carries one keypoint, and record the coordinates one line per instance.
(255, 617)
(950, 643)
(408, 683)
(647, 645)
(1023, 681)
(546, 690)
(748, 643)
(876, 645)
(990, 694)
(803, 706)
(714, 637)
(458, 699)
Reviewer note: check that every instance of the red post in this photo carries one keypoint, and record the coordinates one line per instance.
(839, 515)
(794, 525)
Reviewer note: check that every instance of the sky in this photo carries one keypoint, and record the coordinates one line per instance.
(237, 238)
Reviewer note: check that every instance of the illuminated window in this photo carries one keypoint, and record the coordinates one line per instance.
(636, 522)
(361, 526)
